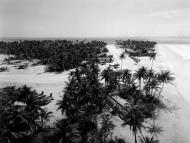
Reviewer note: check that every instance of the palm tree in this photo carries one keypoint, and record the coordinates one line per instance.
(122, 57)
(106, 75)
(130, 92)
(152, 58)
(126, 77)
(140, 73)
(45, 116)
(19, 117)
(73, 131)
(165, 77)
(107, 127)
(114, 83)
(21, 113)
(67, 104)
(84, 96)
(155, 130)
(134, 117)
(150, 75)
(152, 86)
(67, 132)
(76, 74)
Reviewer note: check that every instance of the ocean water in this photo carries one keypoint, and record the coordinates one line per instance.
(182, 50)
(177, 58)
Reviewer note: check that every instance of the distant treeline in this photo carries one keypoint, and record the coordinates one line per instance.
(57, 55)
(138, 48)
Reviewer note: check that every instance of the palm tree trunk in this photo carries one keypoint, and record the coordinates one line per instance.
(135, 137)
(140, 83)
(116, 102)
(121, 64)
(161, 90)
(142, 135)
(151, 65)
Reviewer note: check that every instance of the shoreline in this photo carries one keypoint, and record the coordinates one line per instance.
(176, 124)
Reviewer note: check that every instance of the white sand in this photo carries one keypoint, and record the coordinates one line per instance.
(38, 80)
(176, 125)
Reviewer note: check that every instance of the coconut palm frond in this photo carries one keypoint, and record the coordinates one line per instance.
(155, 129)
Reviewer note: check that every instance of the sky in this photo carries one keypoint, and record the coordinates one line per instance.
(94, 18)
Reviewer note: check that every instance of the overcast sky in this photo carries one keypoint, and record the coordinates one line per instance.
(94, 18)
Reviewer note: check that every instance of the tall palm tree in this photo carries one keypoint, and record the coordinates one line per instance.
(152, 86)
(126, 77)
(152, 58)
(106, 75)
(84, 96)
(122, 57)
(140, 73)
(134, 118)
(150, 75)
(107, 127)
(165, 77)
(67, 104)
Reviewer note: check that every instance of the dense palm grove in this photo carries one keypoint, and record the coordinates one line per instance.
(89, 104)
(58, 55)
(138, 48)
(22, 114)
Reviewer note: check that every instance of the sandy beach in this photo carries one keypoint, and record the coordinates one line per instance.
(176, 125)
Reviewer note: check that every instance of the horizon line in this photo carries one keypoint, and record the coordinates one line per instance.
(89, 37)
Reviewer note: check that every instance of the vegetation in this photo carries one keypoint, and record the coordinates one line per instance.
(3, 69)
(22, 114)
(91, 98)
(138, 48)
(58, 55)
(141, 103)
(85, 97)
